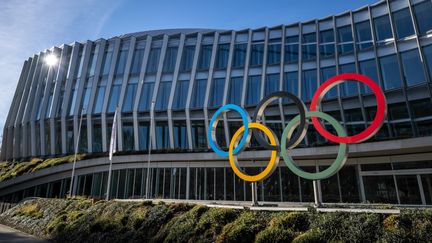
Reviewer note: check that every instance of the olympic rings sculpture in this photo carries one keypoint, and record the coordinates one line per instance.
(241, 137)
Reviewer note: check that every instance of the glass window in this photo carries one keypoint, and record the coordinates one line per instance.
(424, 18)
(85, 100)
(162, 135)
(421, 108)
(187, 58)
(128, 136)
(137, 61)
(239, 55)
(403, 23)
(170, 59)
(180, 135)
(309, 84)
(291, 49)
(369, 69)
(163, 95)
(309, 47)
(222, 56)
(121, 62)
(143, 133)
(349, 184)
(199, 93)
(363, 35)
(205, 56)
(181, 94)
(382, 28)
(408, 189)
(427, 187)
(146, 96)
(97, 138)
(153, 60)
(235, 90)
(290, 82)
(216, 93)
(327, 47)
(106, 62)
(114, 97)
(380, 189)
(398, 111)
(272, 83)
(199, 137)
(412, 67)
(390, 72)
(349, 88)
(129, 97)
(92, 65)
(427, 52)
(345, 40)
(327, 73)
(253, 90)
(257, 54)
(273, 54)
(100, 93)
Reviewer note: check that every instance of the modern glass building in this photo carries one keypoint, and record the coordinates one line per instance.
(189, 73)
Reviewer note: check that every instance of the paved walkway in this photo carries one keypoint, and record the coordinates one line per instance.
(8, 234)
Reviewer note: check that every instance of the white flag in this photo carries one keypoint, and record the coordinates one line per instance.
(113, 142)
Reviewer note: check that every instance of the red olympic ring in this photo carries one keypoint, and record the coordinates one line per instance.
(371, 129)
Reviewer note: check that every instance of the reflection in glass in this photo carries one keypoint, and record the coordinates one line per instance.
(272, 83)
(239, 55)
(187, 58)
(198, 94)
(235, 90)
(163, 95)
(412, 67)
(181, 94)
(390, 72)
(424, 18)
(273, 54)
(382, 28)
(170, 59)
(222, 56)
(257, 54)
(309, 84)
(153, 60)
(146, 96)
(217, 90)
(403, 23)
(253, 90)
(380, 189)
(408, 189)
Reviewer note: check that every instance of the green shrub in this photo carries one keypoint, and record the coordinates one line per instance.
(410, 226)
(212, 222)
(31, 210)
(275, 235)
(352, 227)
(244, 228)
(296, 221)
(182, 227)
(310, 236)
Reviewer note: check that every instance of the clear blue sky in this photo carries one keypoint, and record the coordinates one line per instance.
(30, 26)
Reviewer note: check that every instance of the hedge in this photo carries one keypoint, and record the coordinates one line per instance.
(83, 220)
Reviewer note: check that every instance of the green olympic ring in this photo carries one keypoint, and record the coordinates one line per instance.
(334, 167)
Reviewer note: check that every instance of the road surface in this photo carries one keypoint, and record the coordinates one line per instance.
(10, 235)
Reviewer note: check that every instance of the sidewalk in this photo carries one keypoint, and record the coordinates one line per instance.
(8, 234)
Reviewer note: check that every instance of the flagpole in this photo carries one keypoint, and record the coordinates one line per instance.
(113, 144)
(71, 193)
(149, 151)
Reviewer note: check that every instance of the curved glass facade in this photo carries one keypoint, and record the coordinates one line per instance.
(189, 73)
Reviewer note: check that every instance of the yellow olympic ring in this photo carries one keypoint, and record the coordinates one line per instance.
(274, 159)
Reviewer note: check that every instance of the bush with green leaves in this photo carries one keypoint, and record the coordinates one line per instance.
(84, 220)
